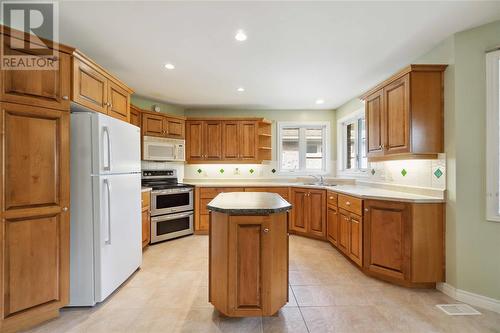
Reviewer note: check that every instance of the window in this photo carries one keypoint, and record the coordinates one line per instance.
(492, 135)
(352, 143)
(303, 148)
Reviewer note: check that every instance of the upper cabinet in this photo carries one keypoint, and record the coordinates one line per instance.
(96, 89)
(404, 115)
(135, 115)
(44, 88)
(227, 140)
(162, 125)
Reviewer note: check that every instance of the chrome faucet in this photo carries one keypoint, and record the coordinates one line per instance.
(318, 178)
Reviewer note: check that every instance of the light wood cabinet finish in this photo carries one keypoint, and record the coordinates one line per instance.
(153, 125)
(94, 88)
(350, 232)
(230, 140)
(309, 212)
(146, 218)
(248, 140)
(35, 214)
(404, 115)
(195, 141)
(161, 125)
(175, 128)
(44, 88)
(404, 242)
(351, 204)
(248, 262)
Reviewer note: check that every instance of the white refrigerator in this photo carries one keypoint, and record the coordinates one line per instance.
(105, 206)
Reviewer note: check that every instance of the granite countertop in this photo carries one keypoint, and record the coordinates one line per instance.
(249, 203)
(146, 189)
(355, 190)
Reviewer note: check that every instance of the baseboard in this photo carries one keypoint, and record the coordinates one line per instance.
(481, 301)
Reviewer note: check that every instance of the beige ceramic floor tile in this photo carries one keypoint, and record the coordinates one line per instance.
(288, 319)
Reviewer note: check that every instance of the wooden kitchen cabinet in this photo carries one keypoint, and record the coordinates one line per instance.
(44, 88)
(35, 214)
(309, 212)
(228, 140)
(404, 242)
(153, 125)
(203, 195)
(404, 114)
(135, 116)
(332, 224)
(175, 128)
(93, 87)
(146, 218)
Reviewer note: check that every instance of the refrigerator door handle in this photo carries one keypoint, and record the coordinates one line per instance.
(105, 131)
(108, 187)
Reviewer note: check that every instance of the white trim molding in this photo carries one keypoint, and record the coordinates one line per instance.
(492, 136)
(341, 139)
(480, 301)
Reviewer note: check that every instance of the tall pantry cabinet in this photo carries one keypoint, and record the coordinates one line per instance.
(34, 190)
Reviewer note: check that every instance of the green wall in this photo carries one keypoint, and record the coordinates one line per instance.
(275, 115)
(472, 243)
(146, 104)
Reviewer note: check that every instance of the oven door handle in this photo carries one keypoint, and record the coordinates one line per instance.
(170, 217)
(173, 191)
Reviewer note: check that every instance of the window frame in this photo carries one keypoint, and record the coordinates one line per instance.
(492, 135)
(325, 125)
(342, 142)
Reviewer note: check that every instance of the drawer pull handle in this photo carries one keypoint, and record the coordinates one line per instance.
(366, 209)
(266, 230)
(357, 222)
(331, 198)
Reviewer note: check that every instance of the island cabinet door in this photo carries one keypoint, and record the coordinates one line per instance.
(387, 240)
(317, 210)
(258, 264)
(299, 211)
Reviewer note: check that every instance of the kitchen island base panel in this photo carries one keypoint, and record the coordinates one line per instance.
(248, 268)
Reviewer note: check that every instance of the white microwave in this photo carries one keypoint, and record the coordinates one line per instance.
(163, 149)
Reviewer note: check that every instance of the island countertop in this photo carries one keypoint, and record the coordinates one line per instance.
(249, 203)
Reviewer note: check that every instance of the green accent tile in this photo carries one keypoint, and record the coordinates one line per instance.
(251, 170)
(273, 170)
(438, 173)
(221, 170)
(199, 171)
(404, 172)
(373, 172)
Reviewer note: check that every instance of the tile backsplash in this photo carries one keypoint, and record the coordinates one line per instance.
(421, 173)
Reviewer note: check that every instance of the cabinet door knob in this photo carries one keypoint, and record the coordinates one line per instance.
(65, 209)
(347, 203)
(331, 198)
(266, 230)
(65, 98)
(366, 209)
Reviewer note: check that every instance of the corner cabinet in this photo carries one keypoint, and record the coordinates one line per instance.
(228, 140)
(404, 242)
(404, 115)
(308, 215)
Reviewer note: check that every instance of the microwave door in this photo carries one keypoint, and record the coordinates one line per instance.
(159, 152)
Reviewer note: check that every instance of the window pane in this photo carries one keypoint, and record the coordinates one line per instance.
(314, 152)
(362, 144)
(290, 149)
(351, 146)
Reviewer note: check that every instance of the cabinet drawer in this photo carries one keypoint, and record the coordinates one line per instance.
(211, 192)
(331, 198)
(351, 204)
(145, 199)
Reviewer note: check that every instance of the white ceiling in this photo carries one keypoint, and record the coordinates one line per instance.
(296, 52)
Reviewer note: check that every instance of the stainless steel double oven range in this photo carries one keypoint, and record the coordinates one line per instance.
(171, 205)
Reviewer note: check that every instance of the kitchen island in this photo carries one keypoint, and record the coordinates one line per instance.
(248, 253)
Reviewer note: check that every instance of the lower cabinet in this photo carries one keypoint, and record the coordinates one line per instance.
(404, 241)
(332, 228)
(350, 240)
(146, 218)
(308, 212)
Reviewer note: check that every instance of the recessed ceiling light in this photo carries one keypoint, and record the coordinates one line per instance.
(169, 66)
(320, 101)
(241, 89)
(240, 36)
